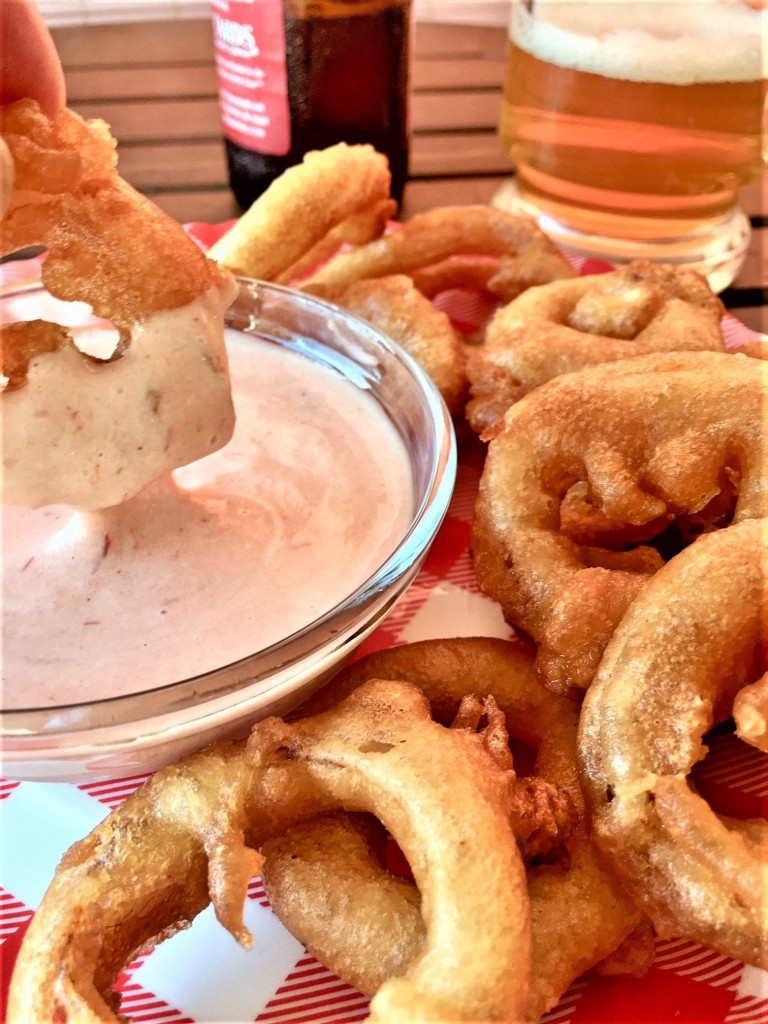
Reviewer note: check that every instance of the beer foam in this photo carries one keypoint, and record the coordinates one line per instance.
(673, 43)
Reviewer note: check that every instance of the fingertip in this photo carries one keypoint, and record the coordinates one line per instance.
(29, 64)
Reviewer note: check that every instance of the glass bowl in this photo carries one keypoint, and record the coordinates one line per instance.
(138, 732)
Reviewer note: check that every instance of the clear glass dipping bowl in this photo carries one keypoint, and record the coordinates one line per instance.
(127, 735)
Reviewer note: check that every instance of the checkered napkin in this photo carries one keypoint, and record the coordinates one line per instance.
(202, 975)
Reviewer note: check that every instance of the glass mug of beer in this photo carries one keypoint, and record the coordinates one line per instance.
(634, 125)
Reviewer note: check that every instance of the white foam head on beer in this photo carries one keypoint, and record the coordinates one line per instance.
(650, 41)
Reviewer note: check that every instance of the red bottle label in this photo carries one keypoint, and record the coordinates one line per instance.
(249, 39)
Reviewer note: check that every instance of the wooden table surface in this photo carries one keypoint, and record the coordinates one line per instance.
(155, 83)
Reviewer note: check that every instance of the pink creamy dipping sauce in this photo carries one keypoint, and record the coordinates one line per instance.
(217, 561)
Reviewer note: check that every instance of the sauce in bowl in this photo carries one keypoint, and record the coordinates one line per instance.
(219, 559)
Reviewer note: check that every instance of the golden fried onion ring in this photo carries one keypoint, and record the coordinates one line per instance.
(342, 191)
(326, 882)
(566, 326)
(529, 256)
(750, 712)
(655, 438)
(497, 275)
(88, 432)
(690, 641)
(190, 834)
(395, 306)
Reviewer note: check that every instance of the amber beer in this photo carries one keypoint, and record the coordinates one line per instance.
(634, 121)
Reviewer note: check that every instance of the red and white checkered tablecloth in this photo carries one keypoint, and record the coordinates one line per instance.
(202, 975)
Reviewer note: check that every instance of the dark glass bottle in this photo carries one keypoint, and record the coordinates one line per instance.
(346, 65)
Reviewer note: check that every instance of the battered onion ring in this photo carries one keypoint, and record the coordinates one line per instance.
(7, 175)
(656, 438)
(395, 306)
(361, 921)
(529, 256)
(357, 229)
(635, 955)
(498, 276)
(750, 711)
(566, 326)
(690, 641)
(300, 208)
(190, 834)
(96, 433)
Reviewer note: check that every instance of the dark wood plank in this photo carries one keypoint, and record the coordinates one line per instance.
(178, 164)
(435, 111)
(218, 204)
(141, 121)
(465, 73)
(210, 206)
(423, 195)
(175, 165)
(199, 79)
(446, 155)
(135, 43)
(98, 85)
(435, 40)
(157, 120)
(181, 40)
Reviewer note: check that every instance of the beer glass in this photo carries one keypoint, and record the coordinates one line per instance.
(634, 125)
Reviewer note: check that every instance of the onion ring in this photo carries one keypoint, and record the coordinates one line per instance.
(567, 326)
(395, 306)
(190, 834)
(341, 185)
(750, 712)
(656, 438)
(89, 432)
(498, 276)
(689, 642)
(530, 257)
(578, 916)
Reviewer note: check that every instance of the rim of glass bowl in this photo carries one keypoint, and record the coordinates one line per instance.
(344, 620)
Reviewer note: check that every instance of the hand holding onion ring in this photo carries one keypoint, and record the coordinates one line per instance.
(93, 432)
(656, 440)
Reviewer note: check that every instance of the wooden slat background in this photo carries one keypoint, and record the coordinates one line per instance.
(156, 85)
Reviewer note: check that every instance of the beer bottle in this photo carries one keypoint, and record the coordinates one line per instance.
(297, 75)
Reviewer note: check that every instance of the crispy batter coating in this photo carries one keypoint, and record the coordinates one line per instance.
(357, 229)
(191, 834)
(579, 914)
(635, 955)
(21, 343)
(76, 430)
(693, 638)
(529, 257)
(341, 185)
(7, 176)
(103, 237)
(395, 306)
(498, 275)
(566, 326)
(750, 712)
(655, 438)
